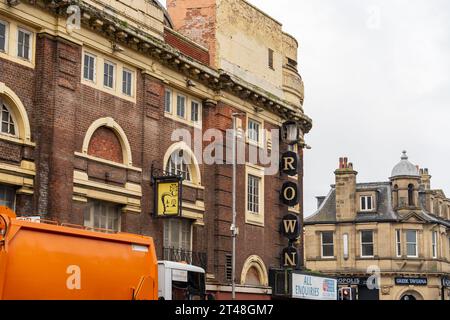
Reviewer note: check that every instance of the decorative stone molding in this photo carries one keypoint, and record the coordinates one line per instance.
(257, 263)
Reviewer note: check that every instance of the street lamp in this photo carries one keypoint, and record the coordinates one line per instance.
(292, 132)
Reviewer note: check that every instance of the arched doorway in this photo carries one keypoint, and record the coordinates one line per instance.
(411, 296)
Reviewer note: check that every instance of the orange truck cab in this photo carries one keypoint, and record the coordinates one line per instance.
(46, 261)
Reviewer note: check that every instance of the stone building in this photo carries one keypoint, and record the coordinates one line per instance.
(398, 229)
(88, 113)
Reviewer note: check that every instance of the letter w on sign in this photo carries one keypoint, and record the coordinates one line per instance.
(290, 226)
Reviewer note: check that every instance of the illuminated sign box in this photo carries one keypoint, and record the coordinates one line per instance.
(310, 287)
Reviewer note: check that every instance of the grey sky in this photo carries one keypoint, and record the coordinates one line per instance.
(377, 81)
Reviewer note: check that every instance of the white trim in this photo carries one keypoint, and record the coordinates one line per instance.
(260, 122)
(398, 243)
(321, 245)
(179, 95)
(6, 24)
(368, 243)
(364, 198)
(256, 262)
(109, 63)
(252, 217)
(94, 75)
(416, 243)
(193, 166)
(30, 44)
(132, 73)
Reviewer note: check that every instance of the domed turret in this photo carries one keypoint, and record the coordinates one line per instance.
(405, 168)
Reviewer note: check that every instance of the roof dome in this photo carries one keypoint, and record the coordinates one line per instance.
(405, 168)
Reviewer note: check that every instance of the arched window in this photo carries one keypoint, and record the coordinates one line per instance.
(8, 125)
(410, 195)
(180, 160)
(396, 204)
(178, 164)
(254, 272)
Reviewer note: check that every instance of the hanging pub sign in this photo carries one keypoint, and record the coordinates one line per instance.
(290, 226)
(289, 194)
(168, 196)
(289, 257)
(289, 163)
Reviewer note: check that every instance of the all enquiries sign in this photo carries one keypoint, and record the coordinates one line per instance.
(313, 288)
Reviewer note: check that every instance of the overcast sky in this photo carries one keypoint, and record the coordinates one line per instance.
(377, 81)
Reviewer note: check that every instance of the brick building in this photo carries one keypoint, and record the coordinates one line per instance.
(88, 115)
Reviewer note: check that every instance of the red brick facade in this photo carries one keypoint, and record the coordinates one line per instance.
(61, 110)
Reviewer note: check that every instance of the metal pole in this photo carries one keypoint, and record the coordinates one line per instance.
(233, 225)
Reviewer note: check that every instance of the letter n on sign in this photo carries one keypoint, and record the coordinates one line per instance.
(289, 257)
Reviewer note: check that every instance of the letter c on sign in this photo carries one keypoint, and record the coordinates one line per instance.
(74, 280)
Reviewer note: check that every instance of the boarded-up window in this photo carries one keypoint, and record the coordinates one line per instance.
(106, 145)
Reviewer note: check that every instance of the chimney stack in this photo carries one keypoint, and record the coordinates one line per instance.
(425, 179)
(346, 204)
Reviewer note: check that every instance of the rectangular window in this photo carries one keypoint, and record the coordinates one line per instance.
(411, 244)
(168, 101)
(177, 234)
(89, 67)
(108, 75)
(127, 82)
(434, 237)
(24, 44)
(7, 197)
(271, 59)
(3, 37)
(181, 106)
(366, 203)
(103, 216)
(327, 244)
(253, 197)
(366, 243)
(195, 109)
(254, 128)
(398, 241)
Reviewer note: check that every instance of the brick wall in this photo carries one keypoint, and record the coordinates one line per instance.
(106, 145)
(186, 47)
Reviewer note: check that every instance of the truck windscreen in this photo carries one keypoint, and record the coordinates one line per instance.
(193, 289)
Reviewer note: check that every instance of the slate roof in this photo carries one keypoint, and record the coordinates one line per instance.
(326, 213)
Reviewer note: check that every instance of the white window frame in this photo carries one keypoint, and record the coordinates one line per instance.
(415, 243)
(434, 244)
(364, 200)
(30, 45)
(6, 24)
(126, 70)
(328, 244)
(168, 225)
(109, 63)
(366, 243)
(90, 224)
(255, 218)
(94, 75)
(398, 243)
(173, 167)
(179, 95)
(16, 127)
(257, 142)
(199, 108)
(251, 204)
(168, 92)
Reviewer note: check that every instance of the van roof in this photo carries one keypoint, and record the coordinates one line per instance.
(181, 266)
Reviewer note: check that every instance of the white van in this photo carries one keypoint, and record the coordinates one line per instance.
(180, 281)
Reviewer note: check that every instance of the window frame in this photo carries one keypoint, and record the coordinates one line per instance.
(434, 244)
(181, 224)
(193, 101)
(398, 243)
(131, 73)
(254, 205)
(114, 75)
(271, 58)
(168, 93)
(179, 95)
(172, 165)
(259, 132)
(30, 44)
(14, 120)
(107, 205)
(322, 244)
(6, 24)
(5, 188)
(255, 218)
(415, 243)
(94, 73)
(367, 243)
(363, 199)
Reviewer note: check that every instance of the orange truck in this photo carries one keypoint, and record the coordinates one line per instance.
(45, 261)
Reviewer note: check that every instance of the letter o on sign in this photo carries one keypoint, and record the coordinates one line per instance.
(289, 194)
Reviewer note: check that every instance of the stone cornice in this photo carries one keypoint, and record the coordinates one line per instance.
(120, 32)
